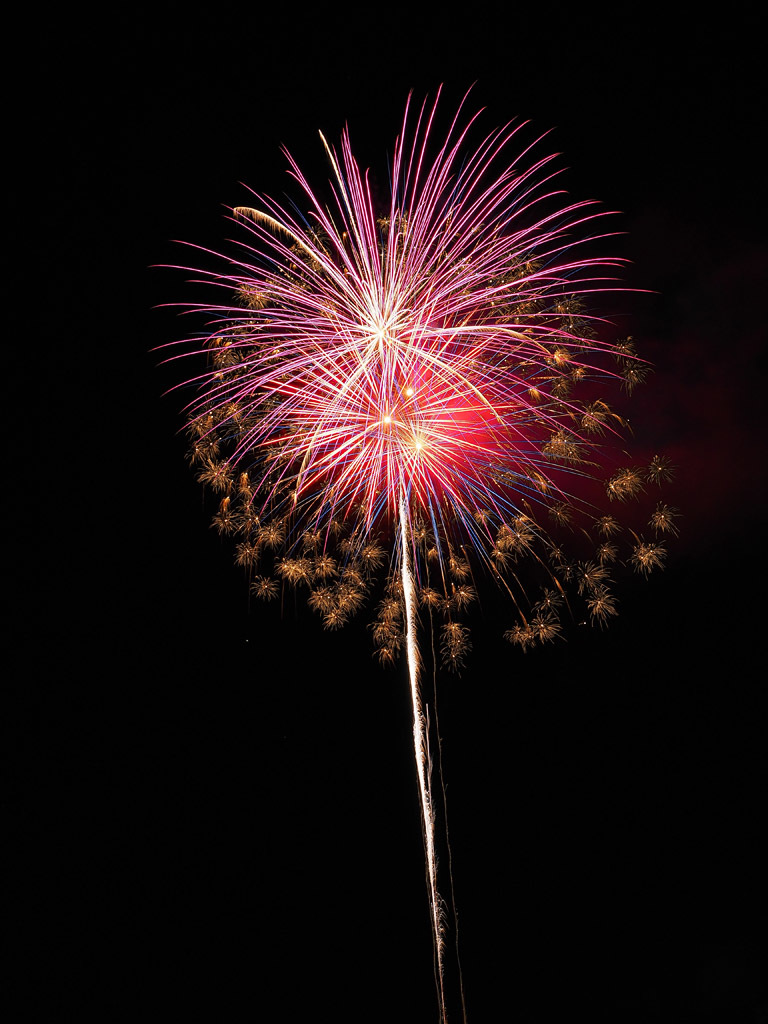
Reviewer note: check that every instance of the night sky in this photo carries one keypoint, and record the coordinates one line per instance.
(223, 794)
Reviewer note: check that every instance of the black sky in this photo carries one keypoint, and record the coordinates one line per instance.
(224, 795)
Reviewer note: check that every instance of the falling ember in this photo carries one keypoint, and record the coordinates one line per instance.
(416, 385)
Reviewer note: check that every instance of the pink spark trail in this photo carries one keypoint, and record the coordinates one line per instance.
(398, 351)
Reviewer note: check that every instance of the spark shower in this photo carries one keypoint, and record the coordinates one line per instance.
(393, 403)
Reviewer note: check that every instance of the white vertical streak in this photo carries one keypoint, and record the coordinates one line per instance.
(420, 749)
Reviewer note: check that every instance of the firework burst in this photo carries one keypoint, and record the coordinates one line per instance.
(423, 373)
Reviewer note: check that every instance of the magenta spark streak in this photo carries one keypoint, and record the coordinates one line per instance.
(398, 352)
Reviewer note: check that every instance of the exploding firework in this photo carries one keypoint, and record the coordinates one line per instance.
(398, 401)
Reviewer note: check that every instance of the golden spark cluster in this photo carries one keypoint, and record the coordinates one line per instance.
(334, 554)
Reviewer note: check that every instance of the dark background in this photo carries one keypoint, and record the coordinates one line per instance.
(224, 795)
